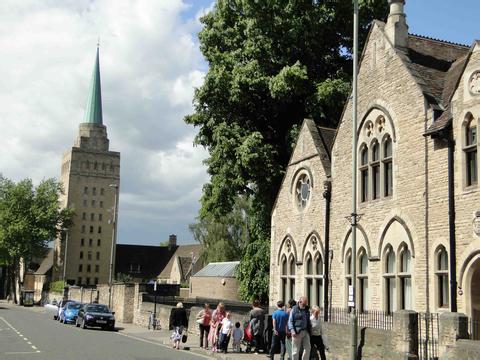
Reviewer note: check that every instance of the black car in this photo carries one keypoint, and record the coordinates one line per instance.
(95, 315)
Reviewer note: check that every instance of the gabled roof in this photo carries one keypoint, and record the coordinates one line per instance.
(219, 269)
(323, 140)
(182, 251)
(46, 264)
(152, 259)
(431, 62)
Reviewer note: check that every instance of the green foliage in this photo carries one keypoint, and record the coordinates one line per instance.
(271, 64)
(223, 238)
(57, 286)
(30, 217)
(123, 278)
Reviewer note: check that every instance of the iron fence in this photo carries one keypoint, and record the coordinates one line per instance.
(375, 319)
(428, 329)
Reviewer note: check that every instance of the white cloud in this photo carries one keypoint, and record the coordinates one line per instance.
(150, 64)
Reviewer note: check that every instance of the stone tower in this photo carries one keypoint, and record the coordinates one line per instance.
(91, 176)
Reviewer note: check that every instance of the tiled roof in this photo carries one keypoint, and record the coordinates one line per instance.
(218, 269)
(46, 263)
(323, 138)
(441, 123)
(182, 251)
(152, 259)
(431, 63)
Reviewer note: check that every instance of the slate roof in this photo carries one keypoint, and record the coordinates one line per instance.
(323, 138)
(152, 259)
(432, 61)
(182, 251)
(219, 269)
(46, 264)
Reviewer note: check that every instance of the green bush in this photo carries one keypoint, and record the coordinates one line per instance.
(57, 286)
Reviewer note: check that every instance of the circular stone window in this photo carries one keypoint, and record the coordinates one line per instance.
(302, 190)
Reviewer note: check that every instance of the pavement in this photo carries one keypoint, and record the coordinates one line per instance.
(31, 333)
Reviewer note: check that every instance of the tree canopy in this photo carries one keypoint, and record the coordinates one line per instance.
(271, 64)
(30, 218)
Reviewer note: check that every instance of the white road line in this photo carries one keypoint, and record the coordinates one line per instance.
(24, 338)
(161, 345)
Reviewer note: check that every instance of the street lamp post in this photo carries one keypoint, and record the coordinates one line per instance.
(354, 215)
(114, 241)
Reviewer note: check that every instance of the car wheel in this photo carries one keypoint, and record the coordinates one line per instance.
(111, 328)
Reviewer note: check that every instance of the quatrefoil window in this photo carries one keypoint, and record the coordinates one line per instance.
(302, 191)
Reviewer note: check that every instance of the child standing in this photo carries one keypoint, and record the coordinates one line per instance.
(237, 338)
(225, 332)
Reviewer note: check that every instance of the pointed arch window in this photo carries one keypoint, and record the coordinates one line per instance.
(363, 280)
(363, 174)
(390, 292)
(314, 279)
(387, 166)
(470, 150)
(284, 278)
(348, 273)
(291, 277)
(375, 170)
(441, 274)
(405, 279)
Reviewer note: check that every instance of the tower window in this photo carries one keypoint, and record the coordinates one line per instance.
(85, 190)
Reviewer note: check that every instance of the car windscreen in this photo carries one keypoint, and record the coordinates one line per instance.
(74, 306)
(97, 308)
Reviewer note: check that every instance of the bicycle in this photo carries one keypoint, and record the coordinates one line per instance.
(153, 322)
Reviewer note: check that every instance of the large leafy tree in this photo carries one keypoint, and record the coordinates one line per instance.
(30, 218)
(271, 64)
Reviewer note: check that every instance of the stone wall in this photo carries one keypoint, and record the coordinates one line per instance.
(213, 288)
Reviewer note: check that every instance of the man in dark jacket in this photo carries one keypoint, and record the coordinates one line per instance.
(299, 325)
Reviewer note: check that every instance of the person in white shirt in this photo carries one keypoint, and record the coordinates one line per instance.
(225, 332)
(316, 333)
(237, 338)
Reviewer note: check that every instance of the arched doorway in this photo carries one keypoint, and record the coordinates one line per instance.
(472, 295)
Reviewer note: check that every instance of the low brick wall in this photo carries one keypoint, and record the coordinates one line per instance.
(214, 288)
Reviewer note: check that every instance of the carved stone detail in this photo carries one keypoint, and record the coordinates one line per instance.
(474, 83)
(476, 223)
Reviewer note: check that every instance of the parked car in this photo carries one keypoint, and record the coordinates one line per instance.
(61, 307)
(95, 315)
(69, 314)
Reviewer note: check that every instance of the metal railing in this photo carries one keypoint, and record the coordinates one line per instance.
(428, 330)
(375, 319)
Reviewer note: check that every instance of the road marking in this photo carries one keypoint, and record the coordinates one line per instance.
(23, 337)
(161, 345)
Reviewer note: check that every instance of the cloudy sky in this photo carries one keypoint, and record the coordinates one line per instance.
(150, 64)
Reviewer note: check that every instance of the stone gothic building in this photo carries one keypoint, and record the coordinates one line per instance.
(91, 178)
(418, 238)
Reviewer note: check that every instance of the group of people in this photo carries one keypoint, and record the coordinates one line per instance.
(217, 328)
(297, 330)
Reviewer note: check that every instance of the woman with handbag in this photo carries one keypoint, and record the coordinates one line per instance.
(178, 323)
(203, 320)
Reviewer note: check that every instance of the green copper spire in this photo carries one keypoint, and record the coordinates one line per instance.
(93, 114)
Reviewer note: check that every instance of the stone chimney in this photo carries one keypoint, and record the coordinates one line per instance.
(172, 241)
(397, 28)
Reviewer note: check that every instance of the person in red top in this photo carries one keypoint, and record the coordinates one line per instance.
(203, 320)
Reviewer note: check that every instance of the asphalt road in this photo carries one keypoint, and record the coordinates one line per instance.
(32, 334)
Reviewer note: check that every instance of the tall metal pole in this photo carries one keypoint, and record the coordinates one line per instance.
(65, 255)
(114, 240)
(354, 179)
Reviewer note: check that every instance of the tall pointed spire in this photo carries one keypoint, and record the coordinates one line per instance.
(93, 113)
